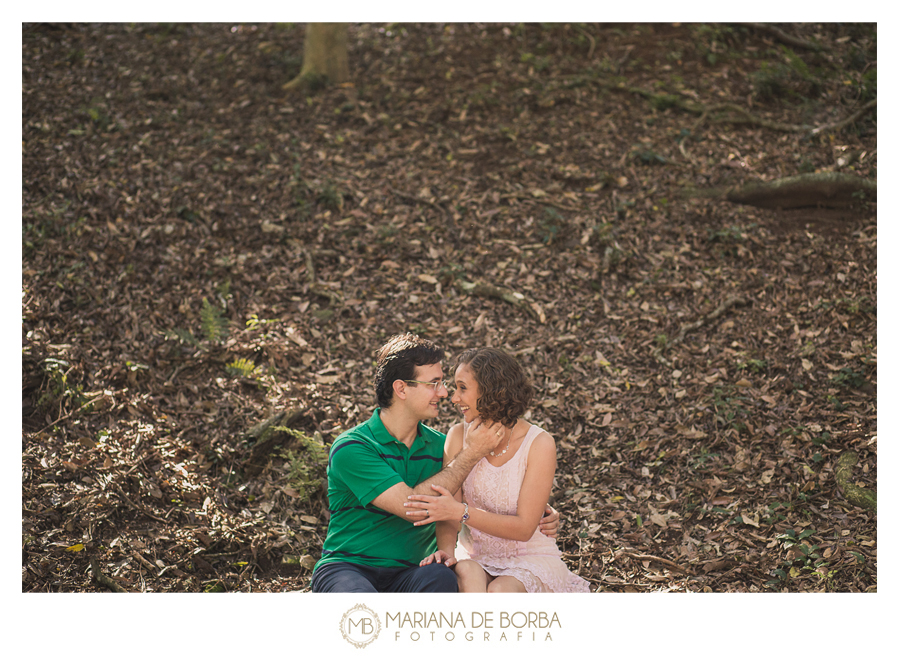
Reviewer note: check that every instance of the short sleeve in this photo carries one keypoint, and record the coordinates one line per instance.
(364, 472)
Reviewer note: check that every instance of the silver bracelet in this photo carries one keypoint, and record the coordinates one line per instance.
(465, 516)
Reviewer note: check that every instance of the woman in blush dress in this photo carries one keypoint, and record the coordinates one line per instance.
(495, 515)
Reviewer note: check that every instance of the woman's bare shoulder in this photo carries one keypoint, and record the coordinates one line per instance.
(543, 441)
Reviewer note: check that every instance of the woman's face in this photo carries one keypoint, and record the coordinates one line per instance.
(466, 395)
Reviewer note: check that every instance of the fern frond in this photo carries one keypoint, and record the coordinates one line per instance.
(183, 335)
(240, 368)
(306, 467)
(214, 324)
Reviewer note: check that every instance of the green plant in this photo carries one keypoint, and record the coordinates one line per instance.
(790, 77)
(757, 366)
(98, 115)
(664, 101)
(331, 197)
(550, 225)
(648, 156)
(836, 404)
(698, 463)
(240, 368)
(224, 289)
(774, 515)
(255, 323)
(729, 408)
(822, 439)
(801, 556)
(182, 335)
(869, 86)
(715, 41)
(58, 389)
(213, 323)
(728, 235)
(848, 378)
(306, 466)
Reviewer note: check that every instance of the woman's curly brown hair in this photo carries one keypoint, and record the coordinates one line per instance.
(504, 389)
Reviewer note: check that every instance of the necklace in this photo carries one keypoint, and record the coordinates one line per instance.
(505, 449)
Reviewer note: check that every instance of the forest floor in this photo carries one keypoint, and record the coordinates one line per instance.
(202, 251)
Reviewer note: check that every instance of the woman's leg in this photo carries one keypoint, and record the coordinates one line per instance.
(505, 584)
(471, 577)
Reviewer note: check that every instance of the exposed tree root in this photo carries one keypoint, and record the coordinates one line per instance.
(853, 118)
(843, 475)
(725, 113)
(784, 37)
(827, 189)
(267, 440)
(509, 296)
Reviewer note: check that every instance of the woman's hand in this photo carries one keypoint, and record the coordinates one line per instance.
(437, 508)
(549, 524)
(483, 436)
(439, 557)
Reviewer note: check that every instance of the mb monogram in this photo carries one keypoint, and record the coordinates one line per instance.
(360, 625)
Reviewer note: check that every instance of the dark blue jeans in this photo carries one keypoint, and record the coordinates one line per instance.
(349, 577)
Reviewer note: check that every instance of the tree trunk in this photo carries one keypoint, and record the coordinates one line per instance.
(325, 59)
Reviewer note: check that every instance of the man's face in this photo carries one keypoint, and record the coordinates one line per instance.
(423, 399)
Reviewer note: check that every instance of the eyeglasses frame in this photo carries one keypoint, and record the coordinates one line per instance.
(436, 386)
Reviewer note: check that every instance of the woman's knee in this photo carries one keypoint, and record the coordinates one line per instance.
(505, 585)
(471, 576)
(468, 568)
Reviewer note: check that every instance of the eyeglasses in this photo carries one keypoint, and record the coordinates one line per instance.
(435, 385)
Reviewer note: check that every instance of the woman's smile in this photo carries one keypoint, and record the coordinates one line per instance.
(465, 397)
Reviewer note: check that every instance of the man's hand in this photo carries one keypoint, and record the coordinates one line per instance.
(443, 507)
(549, 524)
(439, 557)
(483, 436)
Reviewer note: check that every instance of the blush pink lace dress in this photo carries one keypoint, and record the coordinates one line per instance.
(536, 563)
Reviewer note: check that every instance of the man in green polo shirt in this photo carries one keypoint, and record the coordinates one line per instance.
(372, 544)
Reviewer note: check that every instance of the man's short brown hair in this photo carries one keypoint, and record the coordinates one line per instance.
(398, 359)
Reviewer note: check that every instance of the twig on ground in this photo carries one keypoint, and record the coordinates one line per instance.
(144, 561)
(733, 300)
(316, 287)
(653, 558)
(73, 412)
(139, 508)
(102, 579)
(415, 199)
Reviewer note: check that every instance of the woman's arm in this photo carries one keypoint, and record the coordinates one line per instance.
(447, 531)
(533, 497)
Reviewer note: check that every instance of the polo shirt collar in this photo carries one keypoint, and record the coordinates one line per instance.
(380, 433)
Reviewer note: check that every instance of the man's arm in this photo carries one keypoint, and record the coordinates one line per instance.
(479, 441)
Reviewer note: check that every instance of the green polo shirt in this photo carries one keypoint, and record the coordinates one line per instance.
(364, 462)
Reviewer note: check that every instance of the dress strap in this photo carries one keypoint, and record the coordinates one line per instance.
(529, 437)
